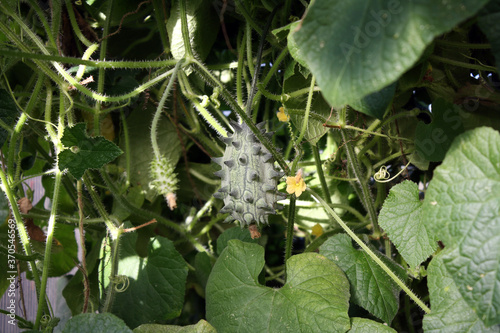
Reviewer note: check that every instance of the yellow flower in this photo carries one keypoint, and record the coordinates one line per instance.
(296, 184)
(317, 230)
(282, 116)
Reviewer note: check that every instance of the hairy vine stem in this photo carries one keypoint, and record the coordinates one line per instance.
(159, 109)
(365, 195)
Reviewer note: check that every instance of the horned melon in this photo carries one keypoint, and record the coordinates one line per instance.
(249, 178)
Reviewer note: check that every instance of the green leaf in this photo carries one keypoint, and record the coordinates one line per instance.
(203, 26)
(363, 325)
(93, 322)
(355, 48)
(371, 287)
(141, 152)
(8, 114)
(85, 152)
(233, 233)
(433, 140)
(401, 219)
(63, 259)
(72, 292)
(315, 297)
(461, 208)
(157, 282)
(135, 196)
(488, 22)
(203, 265)
(450, 312)
(201, 327)
(376, 103)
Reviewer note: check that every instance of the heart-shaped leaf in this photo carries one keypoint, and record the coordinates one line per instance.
(462, 209)
(157, 282)
(315, 297)
(401, 218)
(233, 233)
(371, 287)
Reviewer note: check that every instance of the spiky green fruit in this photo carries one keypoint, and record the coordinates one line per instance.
(249, 179)
(164, 180)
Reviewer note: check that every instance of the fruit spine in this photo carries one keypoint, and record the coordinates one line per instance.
(248, 178)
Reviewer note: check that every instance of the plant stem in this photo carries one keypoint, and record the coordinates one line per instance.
(74, 24)
(289, 228)
(305, 120)
(108, 64)
(21, 229)
(372, 255)
(102, 56)
(461, 45)
(114, 269)
(86, 287)
(185, 31)
(98, 204)
(161, 21)
(19, 126)
(248, 38)
(355, 172)
(463, 64)
(239, 72)
(321, 175)
(126, 138)
(48, 246)
(159, 109)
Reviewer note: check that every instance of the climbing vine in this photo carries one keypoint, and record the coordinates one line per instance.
(250, 166)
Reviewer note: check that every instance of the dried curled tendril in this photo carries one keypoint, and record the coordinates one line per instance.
(121, 282)
(382, 175)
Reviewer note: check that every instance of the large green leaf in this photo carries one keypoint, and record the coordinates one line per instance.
(233, 233)
(203, 25)
(93, 322)
(371, 287)
(363, 325)
(433, 140)
(462, 209)
(375, 104)
(64, 257)
(315, 297)
(201, 327)
(401, 218)
(141, 152)
(355, 48)
(85, 153)
(157, 282)
(450, 312)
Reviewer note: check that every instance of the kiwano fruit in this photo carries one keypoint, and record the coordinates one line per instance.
(249, 179)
